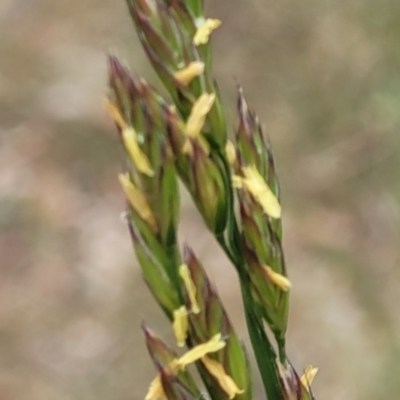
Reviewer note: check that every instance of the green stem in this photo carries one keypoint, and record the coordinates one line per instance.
(263, 350)
(282, 350)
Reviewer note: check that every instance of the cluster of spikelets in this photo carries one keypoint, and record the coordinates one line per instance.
(235, 188)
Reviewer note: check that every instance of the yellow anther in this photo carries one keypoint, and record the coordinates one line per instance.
(137, 156)
(308, 376)
(256, 185)
(191, 71)
(225, 381)
(137, 200)
(184, 273)
(181, 325)
(115, 113)
(201, 350)
(278, 279)
(204, 31)
(156, 390)
(198, 114)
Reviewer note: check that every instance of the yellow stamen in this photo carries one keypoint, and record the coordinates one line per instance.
(180, 325)
(156, 390)
(230, 153)
(308, 376)
(198, 114)
(225, 381)
(129, 138)
(256, 185)
(116, 114)
(184, 273)
(195, 122)
(140, 159)
(204, 31)
(277, 279)
(191, 71)
(198, 352)
(137, 200)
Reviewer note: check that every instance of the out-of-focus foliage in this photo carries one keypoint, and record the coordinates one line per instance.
(324, 78)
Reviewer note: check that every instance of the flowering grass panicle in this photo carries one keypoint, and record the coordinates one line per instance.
(234, 185)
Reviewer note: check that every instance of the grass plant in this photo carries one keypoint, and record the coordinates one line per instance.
(233, 183)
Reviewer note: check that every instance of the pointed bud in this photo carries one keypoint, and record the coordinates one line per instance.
(250, 138)
(260, 213)
(160, 353)
(154, 265)
(254, 148)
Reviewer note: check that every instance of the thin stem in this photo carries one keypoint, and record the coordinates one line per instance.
(263, 350)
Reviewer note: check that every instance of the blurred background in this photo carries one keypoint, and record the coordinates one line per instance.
(324, 77)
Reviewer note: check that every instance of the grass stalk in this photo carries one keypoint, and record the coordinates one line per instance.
(236, 190)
